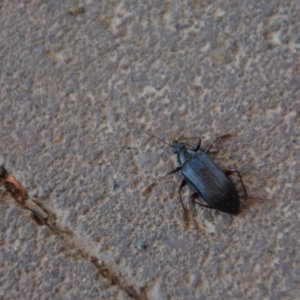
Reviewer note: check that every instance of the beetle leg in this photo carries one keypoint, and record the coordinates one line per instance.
(219, 137)
(195, 196)
(169, 173)
(230, 172)
(149, 188)
(183, 183)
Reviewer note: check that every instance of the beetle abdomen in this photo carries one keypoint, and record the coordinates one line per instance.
(211, 183)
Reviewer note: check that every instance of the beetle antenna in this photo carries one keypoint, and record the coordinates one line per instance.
(152, 135)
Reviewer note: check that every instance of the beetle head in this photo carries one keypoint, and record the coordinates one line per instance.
(178, 147)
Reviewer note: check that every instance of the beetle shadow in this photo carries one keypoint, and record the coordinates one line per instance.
(251, 202)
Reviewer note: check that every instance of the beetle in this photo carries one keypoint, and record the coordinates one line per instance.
(207, 180)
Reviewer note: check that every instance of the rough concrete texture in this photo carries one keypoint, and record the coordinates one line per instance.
(76, 88)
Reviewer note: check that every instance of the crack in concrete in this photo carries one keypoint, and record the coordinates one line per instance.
(44, 217)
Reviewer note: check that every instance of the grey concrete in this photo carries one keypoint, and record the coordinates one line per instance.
(76, 89)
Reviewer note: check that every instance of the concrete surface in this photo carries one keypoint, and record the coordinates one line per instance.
(76, 88)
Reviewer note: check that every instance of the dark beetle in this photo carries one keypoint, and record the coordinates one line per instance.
(209, 182)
